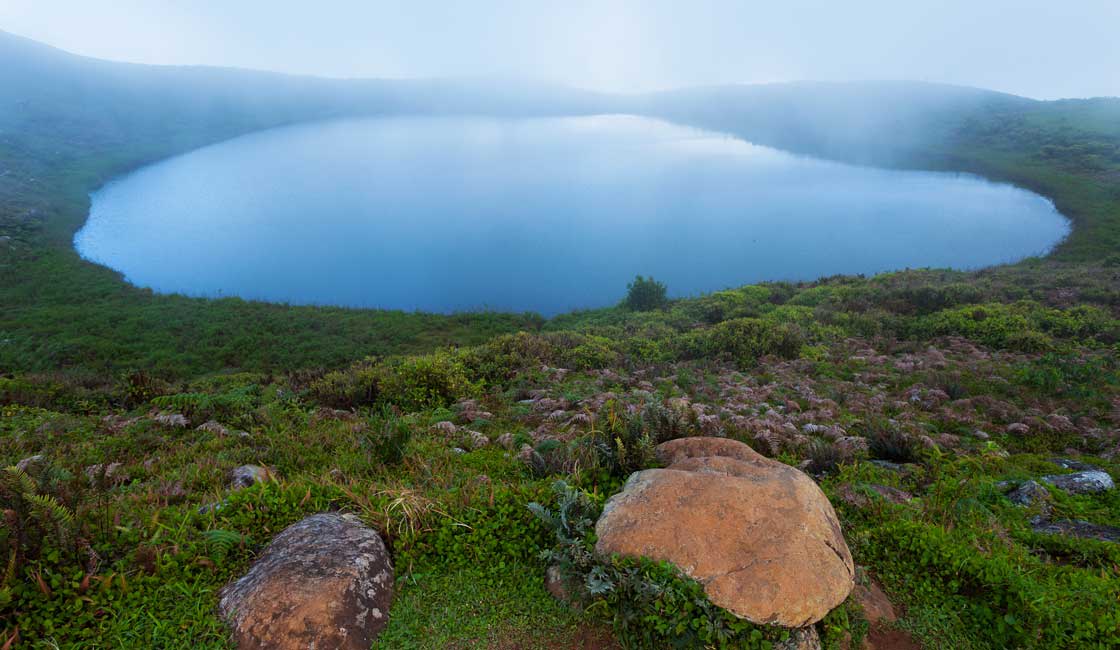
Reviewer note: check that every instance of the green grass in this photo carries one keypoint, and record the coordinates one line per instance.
(463, 608)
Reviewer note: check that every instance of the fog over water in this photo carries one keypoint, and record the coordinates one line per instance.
(1036, 48)
(546, 215)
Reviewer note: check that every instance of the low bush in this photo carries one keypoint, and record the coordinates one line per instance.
(744, 341)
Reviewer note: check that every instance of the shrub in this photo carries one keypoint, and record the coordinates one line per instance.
(645, 294)
(349, 388)
(424, 382)
(235, 406)
(745, 340)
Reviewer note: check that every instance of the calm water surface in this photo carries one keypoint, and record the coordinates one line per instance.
(445, 214)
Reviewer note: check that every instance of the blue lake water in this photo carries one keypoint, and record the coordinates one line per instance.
(546, 215)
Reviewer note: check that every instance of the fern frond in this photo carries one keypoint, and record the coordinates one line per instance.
(20, 480)
(52, 508)
(224, 540)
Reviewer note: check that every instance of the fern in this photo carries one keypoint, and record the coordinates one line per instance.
(224, 541)
(18, 480)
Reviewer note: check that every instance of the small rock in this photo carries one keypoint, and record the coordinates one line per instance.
(324, 582)
(803, 638)
(876, 606)
(246, 475)
(26, 464)
(1076, 465)
(1082, 482)
(557, 586)
(1028, 493)
(980, 435)
(173, 420)
(681, 449)
(506, 441)
(858, 495)
(1018, 428)
(852, 446)
(214, 427)
(1076, 528)
(477, 439)
(446, 427)
(111, 473)
(894, 467)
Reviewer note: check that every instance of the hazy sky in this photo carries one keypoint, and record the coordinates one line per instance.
(1038, 48)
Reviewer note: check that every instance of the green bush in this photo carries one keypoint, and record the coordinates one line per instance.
(355, 386)
(645, 294)
(744, 341)
(424, 382)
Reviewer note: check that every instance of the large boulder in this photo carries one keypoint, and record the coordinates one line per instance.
(759, 535)
(324, 582)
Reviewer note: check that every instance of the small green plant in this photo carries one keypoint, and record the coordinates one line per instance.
(824, 457)
(645, 294)
(386, 442)
(35, 520)
(887, 442)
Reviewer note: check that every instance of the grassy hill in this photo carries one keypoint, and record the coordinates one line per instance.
(917, 399)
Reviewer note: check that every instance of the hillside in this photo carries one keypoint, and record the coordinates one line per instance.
(950, 418)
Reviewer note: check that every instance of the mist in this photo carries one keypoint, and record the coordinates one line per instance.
(1037, 49)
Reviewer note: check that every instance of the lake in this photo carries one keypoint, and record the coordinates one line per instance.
(544, 214)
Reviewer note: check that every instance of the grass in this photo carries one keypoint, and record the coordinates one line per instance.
(471, 608)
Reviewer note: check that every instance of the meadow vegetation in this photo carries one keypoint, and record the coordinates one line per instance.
(482, 445)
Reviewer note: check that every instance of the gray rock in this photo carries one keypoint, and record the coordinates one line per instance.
(802, 638)
(1076, 465)
(1086, 482)
(111, 474)
(1076, 528)
(477, 439)
(894, 467)
(173, 420)
(1028, 493)
(214, 427)
(246, 475)
(323, 582)
(30, 461)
